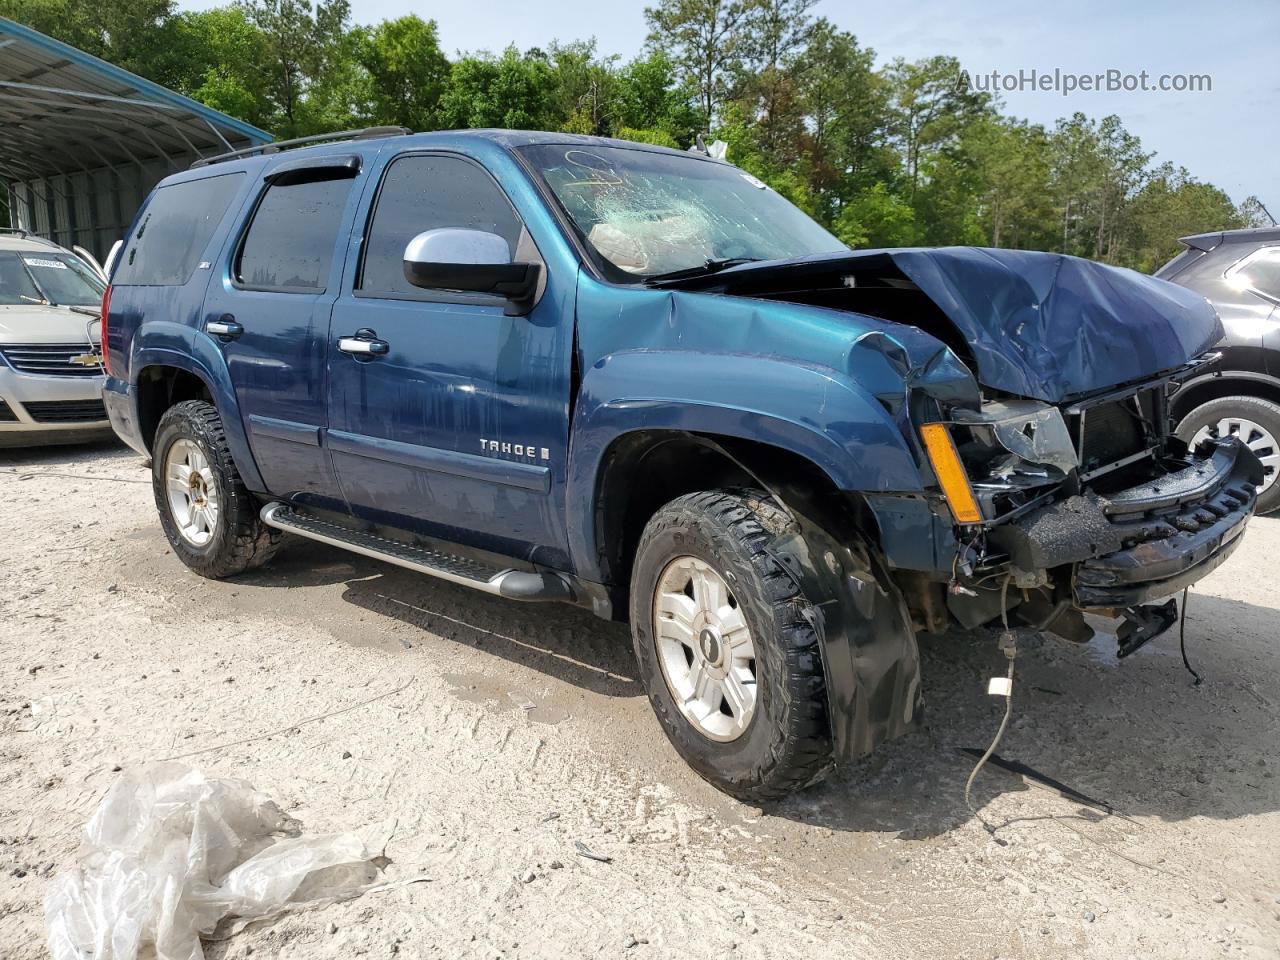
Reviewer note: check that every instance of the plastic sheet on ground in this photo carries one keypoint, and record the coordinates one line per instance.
(170, 853)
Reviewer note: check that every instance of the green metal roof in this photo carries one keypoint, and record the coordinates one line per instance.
(64, 111)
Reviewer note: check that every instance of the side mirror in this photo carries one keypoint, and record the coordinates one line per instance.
(452, 258)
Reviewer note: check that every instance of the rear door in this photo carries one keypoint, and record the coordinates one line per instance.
(270, 317)
(460, 429)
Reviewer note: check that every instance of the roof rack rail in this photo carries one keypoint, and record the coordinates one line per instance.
(18, 232)
(368, 133)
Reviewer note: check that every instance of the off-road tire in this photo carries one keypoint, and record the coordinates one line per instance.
(787, 744)
(1262, 412)
(241, 541)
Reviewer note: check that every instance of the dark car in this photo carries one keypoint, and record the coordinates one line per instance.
(552, 367)
(1238, 271)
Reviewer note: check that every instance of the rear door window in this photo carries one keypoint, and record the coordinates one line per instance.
(422, 193)
(174, 230)
(290, 243)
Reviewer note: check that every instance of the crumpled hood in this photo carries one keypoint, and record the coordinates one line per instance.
(1049, 326)
(1040, 325)
(41, 324)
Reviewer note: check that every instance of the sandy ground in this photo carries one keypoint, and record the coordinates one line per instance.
(482, 738)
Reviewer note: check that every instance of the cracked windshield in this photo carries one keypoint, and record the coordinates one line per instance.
(652, 214)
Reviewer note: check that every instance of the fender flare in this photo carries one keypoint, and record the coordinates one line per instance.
(206, 362)
(1189, 387)
(813, 413)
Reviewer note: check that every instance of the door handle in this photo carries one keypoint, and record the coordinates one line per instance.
(362, 345)
(225, 326)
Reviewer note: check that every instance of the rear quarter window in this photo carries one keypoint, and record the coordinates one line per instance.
(174, 229)
(1259, 272)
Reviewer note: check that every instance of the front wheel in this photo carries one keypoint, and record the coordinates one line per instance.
(729, 659)
(209, 516)
(1256, 422)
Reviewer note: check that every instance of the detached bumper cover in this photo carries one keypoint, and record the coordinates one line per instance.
(1149, 541)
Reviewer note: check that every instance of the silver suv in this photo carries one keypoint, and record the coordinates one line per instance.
(50, 360)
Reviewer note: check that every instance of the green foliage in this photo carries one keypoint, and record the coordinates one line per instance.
(893, 154)
(876, 218)
(513, 90)
(408, 72)
(708, 41)
(659, 138)
(1173, 204)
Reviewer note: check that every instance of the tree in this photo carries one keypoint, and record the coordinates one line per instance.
(407, 71)
(775, 36)
(225, 57)
(651, 97)
(1013, 199)
(847, 105)
(1253, 213)
(513, 90)
(706, 40)
(928, 109)
(1173, 204)
(584, 88)
(899, 154)
(876, 218)
(302, 43)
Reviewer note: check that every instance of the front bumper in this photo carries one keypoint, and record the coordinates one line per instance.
(1146, 542)
(49, 409)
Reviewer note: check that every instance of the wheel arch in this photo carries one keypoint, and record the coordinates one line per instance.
(646, 468)
(1215, 386)
(164, 377)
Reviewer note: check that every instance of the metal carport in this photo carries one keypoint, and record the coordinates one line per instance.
(82, 142)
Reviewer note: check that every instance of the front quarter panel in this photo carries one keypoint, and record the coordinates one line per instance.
(828, 387)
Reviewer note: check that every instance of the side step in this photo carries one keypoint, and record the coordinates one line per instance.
(512, 584)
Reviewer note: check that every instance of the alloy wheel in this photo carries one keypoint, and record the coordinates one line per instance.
(192, 492)
(705, 649)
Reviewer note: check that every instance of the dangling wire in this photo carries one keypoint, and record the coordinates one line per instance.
(1182, 638)
(1010, 650)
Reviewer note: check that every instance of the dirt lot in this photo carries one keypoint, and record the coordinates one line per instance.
(501, 734)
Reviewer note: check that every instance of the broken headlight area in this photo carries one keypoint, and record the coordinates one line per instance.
(1112, 552)
(1003, 458)
(1017, 452)
(1013, 451)
(1090, 507)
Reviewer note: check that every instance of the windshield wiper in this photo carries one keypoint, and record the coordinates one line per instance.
(710, 265)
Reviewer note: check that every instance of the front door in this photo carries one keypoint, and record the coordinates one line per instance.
(453, 422)
(270, 317)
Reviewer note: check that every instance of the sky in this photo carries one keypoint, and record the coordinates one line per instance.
(1229, 135)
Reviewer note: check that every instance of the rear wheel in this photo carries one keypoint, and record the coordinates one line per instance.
(731, 664)
(209, 516)
(1256, 422)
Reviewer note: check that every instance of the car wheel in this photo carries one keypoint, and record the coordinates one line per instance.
(730, 662)
(1256, 422)
(209, 516)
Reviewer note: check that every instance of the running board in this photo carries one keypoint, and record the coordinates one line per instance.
(512, 584)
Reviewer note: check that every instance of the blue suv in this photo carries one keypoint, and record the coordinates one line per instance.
(554, 367)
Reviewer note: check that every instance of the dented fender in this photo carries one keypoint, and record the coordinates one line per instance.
(831, 423)
(832, 387)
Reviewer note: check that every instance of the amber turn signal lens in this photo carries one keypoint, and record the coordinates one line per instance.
(950, 473)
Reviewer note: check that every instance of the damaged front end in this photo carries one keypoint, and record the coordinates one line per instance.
(1091, 507)
(1060, 486)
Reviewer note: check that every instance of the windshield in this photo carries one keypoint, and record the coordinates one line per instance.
(648, 214)
(55, 278)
